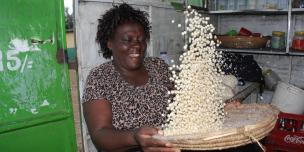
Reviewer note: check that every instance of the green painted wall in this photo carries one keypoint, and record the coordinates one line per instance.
(35, 100)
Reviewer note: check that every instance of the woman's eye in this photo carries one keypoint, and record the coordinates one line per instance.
(126, 40)
(133, 40)
(141, 39)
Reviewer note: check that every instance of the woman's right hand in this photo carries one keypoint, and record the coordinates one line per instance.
(143, 136)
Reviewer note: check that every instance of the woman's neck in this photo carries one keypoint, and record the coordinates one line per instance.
(135, 77)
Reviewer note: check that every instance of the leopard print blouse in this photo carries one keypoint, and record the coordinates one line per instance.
(132, 106)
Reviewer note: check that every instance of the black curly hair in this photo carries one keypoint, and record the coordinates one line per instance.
(115, 17)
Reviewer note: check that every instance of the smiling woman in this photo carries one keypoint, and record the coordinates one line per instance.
(125, 99)
(128, 47)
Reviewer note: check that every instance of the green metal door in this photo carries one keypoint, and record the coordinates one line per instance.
(35, 103)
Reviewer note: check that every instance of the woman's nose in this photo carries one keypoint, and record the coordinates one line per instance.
(136, 44)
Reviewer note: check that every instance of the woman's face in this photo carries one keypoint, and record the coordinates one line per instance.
(128, 46)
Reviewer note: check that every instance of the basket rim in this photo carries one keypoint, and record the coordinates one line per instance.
(233, 137)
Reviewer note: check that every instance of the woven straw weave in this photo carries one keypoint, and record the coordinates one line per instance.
(265, 117)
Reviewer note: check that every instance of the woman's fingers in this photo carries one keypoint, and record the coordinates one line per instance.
(143, 133)
(160, 149)
(232, 104)
(148, 131)
(144, 137)
(152, 142)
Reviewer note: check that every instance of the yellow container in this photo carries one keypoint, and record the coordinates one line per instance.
(299, 33)
(278, 33)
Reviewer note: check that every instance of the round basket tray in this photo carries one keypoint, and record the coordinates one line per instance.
(243, 42)
(244, 124)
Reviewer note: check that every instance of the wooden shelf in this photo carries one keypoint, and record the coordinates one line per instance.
(266, 51)
(254, 51)
(297, 10)
(253, 11)
(258, 11)
(296, 52)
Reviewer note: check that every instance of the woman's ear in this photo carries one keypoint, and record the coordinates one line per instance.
(109, 44)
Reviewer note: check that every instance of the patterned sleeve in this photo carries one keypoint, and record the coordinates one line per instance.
(94, 87)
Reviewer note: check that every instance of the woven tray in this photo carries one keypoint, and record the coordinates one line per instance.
(243, 125)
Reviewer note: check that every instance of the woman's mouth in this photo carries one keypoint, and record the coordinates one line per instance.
(134, 55)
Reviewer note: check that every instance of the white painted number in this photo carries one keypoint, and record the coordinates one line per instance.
(13, 62)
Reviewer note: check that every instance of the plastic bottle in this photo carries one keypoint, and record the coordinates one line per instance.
(162, 50)
(165, 57)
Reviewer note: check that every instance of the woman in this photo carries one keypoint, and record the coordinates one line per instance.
(125, 99)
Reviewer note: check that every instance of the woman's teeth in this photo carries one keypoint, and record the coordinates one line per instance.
(134, 55)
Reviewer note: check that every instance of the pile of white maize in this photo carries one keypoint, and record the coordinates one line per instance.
(197, 106)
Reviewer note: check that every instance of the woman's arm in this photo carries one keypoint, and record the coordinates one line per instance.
(98, 116)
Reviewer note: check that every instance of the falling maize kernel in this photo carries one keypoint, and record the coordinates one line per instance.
(197, 106)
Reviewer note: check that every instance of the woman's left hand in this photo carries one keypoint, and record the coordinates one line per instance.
(143, 136)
